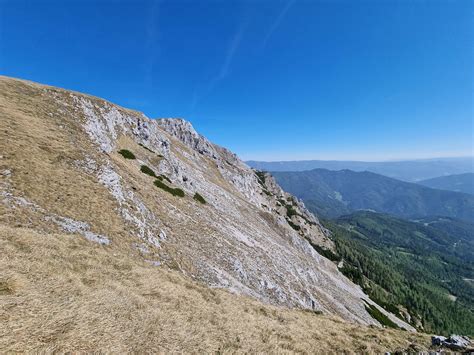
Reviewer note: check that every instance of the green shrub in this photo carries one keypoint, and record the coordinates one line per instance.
(294, 226)
(260, 177)
(290, 211)
(379, 316)
(174, 191)
(146, 170)
(199, 198)
(127, 154)
(327, 253)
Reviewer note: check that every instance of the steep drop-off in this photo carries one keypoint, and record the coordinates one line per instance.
(163, 195)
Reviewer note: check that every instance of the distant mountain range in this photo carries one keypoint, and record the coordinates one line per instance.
(459, 183)
(409, 170)
(336, 193)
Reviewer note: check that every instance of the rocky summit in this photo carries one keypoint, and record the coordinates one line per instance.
(79, 169)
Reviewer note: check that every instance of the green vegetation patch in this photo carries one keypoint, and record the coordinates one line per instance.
(260, 177)
(290, 211)
(379, 316)
(294, 226)
(127, 154)
(174, 191)
(327, 253)
(199, 198)
(395, 266)
(146, 170)
(261, 180)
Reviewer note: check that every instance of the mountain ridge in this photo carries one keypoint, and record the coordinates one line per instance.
(458, 182)
(405, 170)
(335, 193)
(74, 163)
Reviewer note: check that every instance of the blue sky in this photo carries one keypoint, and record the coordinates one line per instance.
(271, 80)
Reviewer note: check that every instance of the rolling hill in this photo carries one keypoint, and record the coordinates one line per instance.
(335, 193)
(460, 183)
(409, 170)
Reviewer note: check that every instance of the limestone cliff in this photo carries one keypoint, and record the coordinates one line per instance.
(64, 168)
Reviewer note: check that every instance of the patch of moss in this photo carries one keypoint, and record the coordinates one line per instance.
(199, 198)
(127, 154)
(174, 191)
(146, 170)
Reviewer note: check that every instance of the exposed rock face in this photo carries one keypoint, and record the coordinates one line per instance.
(454, 342)
(250, 236)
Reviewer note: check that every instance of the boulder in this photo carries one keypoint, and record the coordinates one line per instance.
(454, 342)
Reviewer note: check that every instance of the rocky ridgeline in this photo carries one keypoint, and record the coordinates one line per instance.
(246, 234)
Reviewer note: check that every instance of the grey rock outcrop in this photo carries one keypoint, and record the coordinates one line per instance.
(250, 237)
(453, 342)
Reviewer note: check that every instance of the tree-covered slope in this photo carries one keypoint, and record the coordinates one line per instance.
(335, 193)
(460, 183)
(421, 271)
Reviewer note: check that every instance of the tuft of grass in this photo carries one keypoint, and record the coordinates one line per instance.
(146, 170)
(127, 154)
(199, 198)
(174, 191)
(6, 287)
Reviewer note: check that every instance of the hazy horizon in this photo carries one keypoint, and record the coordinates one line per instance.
(365, 161)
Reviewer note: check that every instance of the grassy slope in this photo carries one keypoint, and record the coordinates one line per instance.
(61, 292)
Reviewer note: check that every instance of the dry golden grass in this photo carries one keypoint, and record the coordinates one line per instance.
(60, 292)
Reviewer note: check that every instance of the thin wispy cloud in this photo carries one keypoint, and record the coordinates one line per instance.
(151, 41)
(232, 49)
(278, 21)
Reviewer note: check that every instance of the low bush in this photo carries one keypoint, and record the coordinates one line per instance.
(294, 226)
(199, 198)
(126, 154)
(174, 191)
(327, 253)
(379, 316)
(146, 170)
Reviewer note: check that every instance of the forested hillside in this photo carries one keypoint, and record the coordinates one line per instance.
(420, 272)
(335, 193)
